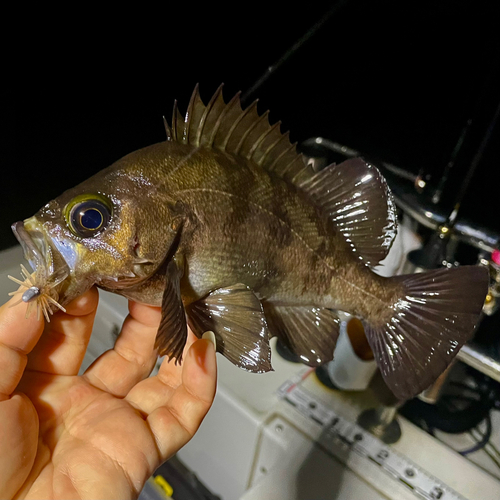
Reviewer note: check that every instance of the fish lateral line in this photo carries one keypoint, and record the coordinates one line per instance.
(314, 252)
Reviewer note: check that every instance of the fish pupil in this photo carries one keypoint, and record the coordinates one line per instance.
(91, 218)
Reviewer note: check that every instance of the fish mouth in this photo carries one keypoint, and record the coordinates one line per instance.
(46, 262)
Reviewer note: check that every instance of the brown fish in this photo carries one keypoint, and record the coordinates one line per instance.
(224, 222)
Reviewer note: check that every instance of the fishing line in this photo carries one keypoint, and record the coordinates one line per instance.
(182, 162)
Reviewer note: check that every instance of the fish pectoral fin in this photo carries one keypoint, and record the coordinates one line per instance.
(308, 331)
(172, 332)
(236, 317)
(355, 197)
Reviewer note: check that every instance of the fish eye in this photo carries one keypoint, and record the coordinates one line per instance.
(87, 215)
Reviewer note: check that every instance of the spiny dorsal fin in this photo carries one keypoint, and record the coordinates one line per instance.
(168, 130)
(237, 131)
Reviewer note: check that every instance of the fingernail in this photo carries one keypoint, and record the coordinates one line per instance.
(203, 349)
(210, 336)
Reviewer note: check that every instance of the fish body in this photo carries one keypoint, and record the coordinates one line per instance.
(226, 223)
(239, 225)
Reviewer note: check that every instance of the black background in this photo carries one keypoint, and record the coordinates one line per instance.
(395, 80)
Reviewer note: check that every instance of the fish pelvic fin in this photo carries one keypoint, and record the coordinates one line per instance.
(237, 131)
(434, 317)
(356, 198)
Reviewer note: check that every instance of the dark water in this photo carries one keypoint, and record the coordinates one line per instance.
(397, 80)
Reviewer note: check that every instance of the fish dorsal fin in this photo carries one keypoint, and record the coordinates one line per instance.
(355, 197)
(237, 131)
(353, 194)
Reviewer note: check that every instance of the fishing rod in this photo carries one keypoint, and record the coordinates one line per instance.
(433, 254)
(470, 173)
(291, 51)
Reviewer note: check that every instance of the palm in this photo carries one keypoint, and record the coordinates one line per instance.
(100, 435)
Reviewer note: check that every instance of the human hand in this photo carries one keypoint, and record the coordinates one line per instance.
(102, 434)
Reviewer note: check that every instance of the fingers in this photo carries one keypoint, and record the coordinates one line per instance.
(62, 347)
(170, 372)
(154, 391)
(19, 438)
(133, 356)
(176, 413)
(18, 336)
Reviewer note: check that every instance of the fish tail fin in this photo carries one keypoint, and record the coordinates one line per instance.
(434, 317)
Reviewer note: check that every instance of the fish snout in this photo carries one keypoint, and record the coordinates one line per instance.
(44, 259)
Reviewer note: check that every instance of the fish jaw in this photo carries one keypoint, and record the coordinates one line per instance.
(34, 246)
(50, 265)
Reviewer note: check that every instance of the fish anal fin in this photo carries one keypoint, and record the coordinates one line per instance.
(236, 317)
(308, 331)
(435, 316)
(172, 332)
(355, 197)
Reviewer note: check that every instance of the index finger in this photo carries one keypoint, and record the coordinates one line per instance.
(18, 336)
(62, 346)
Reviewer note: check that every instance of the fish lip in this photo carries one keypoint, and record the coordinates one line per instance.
(38, 251)
(31, 251)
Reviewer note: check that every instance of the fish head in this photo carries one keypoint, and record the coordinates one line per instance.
(105, 231)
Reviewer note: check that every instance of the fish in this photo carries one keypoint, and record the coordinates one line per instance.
(228, 228)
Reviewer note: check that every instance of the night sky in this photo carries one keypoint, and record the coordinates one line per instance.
(395, 80)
